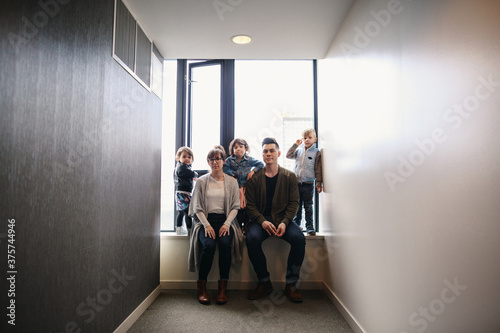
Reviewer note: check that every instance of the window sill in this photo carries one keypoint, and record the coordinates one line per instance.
(172, 234)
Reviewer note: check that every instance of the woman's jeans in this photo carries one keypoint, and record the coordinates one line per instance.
(254, 238)
(208, 248)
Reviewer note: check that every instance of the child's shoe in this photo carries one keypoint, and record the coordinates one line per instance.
(181, 231)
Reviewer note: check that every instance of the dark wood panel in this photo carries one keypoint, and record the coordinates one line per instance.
(80, 169)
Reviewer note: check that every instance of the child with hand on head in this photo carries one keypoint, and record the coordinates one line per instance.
(183, 179)
(241, 166)
(308, 169)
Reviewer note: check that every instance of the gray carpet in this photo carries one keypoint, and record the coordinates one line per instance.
(179, 311)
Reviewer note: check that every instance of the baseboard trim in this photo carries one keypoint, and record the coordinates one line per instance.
(132, 318)
(237, 285)
(355, 325)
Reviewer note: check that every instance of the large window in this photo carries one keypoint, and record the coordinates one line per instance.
(273, 99)
(220, 100)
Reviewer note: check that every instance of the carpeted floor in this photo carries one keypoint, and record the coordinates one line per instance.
(179, 311)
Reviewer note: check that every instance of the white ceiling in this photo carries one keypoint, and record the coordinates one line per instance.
(201, 29)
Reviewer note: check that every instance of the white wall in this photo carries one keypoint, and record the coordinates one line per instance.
(410, 135)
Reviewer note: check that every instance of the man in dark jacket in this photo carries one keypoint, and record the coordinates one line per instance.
(272, 201)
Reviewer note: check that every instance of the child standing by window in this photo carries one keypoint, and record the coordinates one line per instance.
(183, 179)
(241, 166)
(308, 169)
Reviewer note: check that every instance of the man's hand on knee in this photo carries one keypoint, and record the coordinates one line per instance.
(281, 229)
(269, 227)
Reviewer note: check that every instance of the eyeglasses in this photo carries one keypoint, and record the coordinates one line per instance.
(213, 160)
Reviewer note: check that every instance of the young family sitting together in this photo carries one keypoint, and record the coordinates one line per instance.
(240, 195)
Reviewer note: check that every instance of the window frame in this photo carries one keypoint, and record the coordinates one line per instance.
(227, 118)
(183, 116)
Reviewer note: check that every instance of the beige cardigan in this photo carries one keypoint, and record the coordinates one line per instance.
(198, 204)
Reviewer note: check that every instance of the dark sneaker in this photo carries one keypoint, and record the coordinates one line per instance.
(311, 232)
(293, 294)
(262, 290)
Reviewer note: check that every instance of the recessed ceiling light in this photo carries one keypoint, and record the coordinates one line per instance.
(241, 39)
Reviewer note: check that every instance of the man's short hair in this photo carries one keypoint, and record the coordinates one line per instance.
(268, 141)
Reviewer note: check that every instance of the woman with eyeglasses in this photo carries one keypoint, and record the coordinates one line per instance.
(214, 206)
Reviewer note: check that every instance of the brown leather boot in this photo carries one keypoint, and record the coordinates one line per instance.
(263, 288)
(221, 295)
(293, 294)
(202, 292)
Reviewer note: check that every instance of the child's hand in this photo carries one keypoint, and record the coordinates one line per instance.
(298, 142)
(319, 188)
(250, 174)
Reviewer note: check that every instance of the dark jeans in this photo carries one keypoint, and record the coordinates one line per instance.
(208, 248)
(306, 192)
(184, 214)
(254, 238)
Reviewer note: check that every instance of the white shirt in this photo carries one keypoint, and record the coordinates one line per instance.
(215, 197)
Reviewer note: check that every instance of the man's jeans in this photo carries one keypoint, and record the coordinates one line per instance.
(254, 238)
(306, 192)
